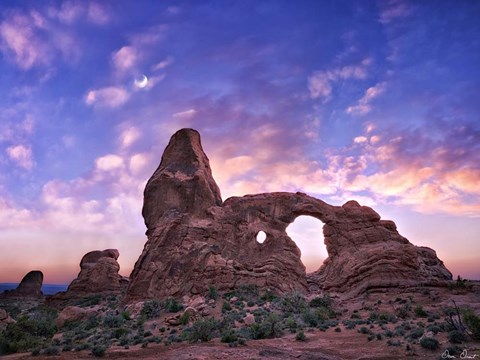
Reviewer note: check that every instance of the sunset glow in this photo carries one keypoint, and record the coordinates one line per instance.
(375, 101)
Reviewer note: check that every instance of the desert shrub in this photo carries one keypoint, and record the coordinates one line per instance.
(125, 315)
(212, 293)
(185, 318)
(337, 329)
(291, 324)
(151, 309)
(29, 332)
(399, 330)
(300, 336)
(391, 342)
(416, 334)
(83, 346)
(324, 301)
(456, 337)
(268, 295)
(373, 316)
(229, 336)
(119, 332)
(388, 333)
(453, 350)
(419, 311)
(349, 324)
(472, 321)
(226, 306)
(113, 321)
(363, 330)
(99, 350)
(403, 311)
(434, 328)
(51, 351)
(249, 292)
(460, 284)
(267, 329)
(386, 317)
(91, 300)
(201, 330)
(172, 305)
(310, 318)
(292, 303)
(429, 343)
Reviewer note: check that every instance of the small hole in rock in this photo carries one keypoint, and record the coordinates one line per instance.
(261, 236)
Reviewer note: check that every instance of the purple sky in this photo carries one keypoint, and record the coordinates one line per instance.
(376, 101)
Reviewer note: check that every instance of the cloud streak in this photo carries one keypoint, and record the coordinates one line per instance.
(320, 83)
(363, 106)
(112, 97)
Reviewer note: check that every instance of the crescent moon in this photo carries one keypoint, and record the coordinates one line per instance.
(141, 81)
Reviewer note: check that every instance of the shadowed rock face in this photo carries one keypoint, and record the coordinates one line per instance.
(98, 273)
(29, 287)
(195, 240)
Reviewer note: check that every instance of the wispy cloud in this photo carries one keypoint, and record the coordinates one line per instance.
(125, 58)
(111, 97)
(129, 136)
(21, 43)
(70, 12)
(394, 9)
(185, 114)
(97, 13)
(363, 106)
(320, 83)
(32, 40)
(21, 155)
(163, 64)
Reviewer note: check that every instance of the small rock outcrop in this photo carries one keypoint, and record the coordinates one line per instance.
(29, 287)
(98, 274)
(5, 319)
(196, 241)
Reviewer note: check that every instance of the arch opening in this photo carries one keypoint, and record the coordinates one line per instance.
(261, 237)
(307, 232)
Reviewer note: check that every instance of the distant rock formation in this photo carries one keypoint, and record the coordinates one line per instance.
(29, 287)
(98, 273)
(196, 241)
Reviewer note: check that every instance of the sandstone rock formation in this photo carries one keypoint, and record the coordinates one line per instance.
(29, 287)
(5, 319)
(98, 273)
(196, 241)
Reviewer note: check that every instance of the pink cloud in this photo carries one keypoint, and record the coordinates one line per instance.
(31, 40)
(97, 14)
(320, 83)
(363, 106)
(20, 42)
(125, 58)
(111, 97)
(393, 10)
(21, 155)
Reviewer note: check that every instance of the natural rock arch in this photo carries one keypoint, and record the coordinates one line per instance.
(196, 241)
(307, 233)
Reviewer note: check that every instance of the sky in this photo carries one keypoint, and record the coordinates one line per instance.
(375, 101)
